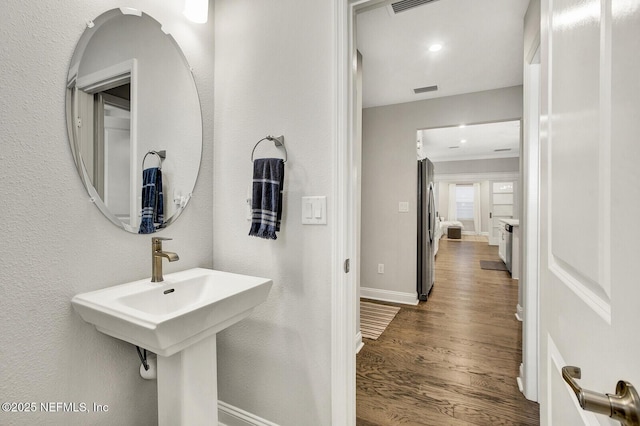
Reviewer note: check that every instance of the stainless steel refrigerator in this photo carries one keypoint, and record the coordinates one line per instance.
(426, 228)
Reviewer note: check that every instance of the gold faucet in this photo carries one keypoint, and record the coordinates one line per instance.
(156, 256)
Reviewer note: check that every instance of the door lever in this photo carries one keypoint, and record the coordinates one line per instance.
(624, 406)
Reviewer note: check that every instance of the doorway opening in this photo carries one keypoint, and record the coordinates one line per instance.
(350, 12)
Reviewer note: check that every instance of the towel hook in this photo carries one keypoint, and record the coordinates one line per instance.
(277, 141)
(160, 154)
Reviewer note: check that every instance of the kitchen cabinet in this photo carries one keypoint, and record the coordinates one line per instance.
(502, 242)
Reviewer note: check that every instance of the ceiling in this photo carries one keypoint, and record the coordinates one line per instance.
(481, 49)
(481, 141)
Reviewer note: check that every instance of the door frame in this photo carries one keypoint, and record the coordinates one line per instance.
(529, 292)
(344, 238)
(344, 291)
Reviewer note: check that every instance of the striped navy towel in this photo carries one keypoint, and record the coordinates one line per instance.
(266, 204)
(152, 201)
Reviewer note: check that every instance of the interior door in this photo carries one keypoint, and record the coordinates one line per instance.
(502, 207)
(117, 163)
(590, 201)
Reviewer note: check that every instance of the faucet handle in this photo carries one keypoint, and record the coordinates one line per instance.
(158, 239)
(156, 243)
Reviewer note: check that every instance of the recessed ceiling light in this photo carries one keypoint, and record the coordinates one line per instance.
(435, 47)
(463, 141)
(462, 126)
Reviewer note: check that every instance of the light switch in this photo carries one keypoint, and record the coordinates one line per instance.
(403, 206)
(314, 210)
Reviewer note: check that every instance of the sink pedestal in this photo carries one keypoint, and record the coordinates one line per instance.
(177, 319)
(187, 386)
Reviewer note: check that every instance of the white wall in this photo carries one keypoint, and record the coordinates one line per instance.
(389, 175)
(55, 243)
(274, 68)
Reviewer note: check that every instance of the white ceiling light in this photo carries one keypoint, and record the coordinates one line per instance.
(196, 10)
(462, 126)
(435, 47)
(463, 141)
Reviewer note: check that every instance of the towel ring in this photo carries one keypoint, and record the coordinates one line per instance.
(277, 141)
(160, 154)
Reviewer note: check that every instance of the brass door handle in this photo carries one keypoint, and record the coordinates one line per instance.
(624, 406)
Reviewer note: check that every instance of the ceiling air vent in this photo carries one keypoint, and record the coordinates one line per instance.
(502, 150)
(425, 89)
(403, 5)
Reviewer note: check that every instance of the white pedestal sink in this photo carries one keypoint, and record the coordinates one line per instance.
(178, 320)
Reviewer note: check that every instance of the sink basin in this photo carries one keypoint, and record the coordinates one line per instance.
(169, 316)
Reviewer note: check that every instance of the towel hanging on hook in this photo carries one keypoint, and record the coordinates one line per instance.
(278, 141)
(160, 154)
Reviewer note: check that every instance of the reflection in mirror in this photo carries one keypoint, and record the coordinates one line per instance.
(130, 92)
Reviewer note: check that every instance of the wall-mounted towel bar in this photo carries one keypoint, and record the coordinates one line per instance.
(278, 141)
(160, 154)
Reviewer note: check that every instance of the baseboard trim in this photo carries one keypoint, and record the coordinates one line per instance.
(388, 296)
(228, 415)
(359, 342)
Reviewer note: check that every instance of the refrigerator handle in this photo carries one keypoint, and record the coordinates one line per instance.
(432, 210)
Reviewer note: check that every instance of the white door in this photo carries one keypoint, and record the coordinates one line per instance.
(502, 207)
(590, 201)
(117, 163)
(117, 158)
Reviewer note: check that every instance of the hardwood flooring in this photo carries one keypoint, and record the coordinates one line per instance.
(452, 360)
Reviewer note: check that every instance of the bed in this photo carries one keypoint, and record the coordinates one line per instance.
(442, 227)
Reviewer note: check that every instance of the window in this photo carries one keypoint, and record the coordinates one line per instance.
(464, 202)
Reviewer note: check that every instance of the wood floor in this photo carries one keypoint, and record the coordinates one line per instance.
(452, 360)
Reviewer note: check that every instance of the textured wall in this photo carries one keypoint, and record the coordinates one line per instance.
(274, 63)
(389, 175)
(54, 242)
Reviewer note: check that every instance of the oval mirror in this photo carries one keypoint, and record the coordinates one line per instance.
(134, 120)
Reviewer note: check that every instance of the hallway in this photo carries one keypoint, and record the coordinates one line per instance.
(452, 360)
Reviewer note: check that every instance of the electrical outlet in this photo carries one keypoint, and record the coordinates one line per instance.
(381, 268)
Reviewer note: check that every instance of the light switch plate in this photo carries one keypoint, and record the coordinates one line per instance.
(314, 210)
(403, 206)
